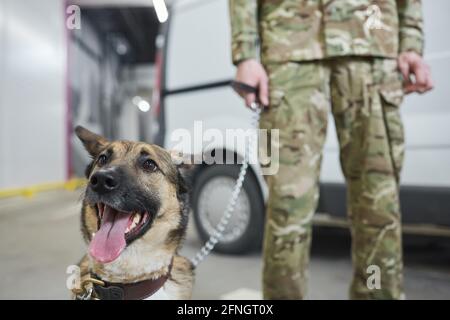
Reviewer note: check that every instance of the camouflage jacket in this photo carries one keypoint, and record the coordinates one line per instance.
(298, 30)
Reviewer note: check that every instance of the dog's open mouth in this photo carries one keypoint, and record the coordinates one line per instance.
(117, 228)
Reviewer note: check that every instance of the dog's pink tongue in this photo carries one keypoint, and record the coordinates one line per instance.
(109, 241)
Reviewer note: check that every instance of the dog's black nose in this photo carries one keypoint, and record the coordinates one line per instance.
(104, 181)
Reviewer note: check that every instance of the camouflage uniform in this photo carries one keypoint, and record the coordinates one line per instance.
(338, 54)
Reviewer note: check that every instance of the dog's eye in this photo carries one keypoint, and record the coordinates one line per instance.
(149, 165)
(102, 160)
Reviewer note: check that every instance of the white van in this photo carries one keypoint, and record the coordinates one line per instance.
(194, 70)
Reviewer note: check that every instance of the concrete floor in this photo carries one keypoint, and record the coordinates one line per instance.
(40, 238)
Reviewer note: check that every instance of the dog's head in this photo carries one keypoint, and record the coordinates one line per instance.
(134, 200)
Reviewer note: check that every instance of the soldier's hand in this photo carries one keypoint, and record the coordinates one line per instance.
(416, 73)
(251, 72)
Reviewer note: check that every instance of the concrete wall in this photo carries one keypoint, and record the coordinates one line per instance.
(32, 92)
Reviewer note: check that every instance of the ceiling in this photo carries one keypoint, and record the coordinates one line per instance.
(120, 3)
(137, 26)
(110, 3)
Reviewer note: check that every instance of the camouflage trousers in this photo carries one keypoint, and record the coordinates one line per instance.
(364, 95)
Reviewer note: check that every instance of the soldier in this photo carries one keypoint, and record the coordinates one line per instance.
(358, 57)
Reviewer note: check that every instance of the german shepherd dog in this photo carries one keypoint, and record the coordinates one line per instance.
(134, 218)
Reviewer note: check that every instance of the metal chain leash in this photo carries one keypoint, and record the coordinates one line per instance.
(219, 230)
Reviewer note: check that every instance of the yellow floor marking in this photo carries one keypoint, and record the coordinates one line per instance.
(29, 192)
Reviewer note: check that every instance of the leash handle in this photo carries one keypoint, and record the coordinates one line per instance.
(241, 86)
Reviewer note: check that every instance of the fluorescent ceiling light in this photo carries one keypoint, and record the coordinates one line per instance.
(144, 106)
(161, 10)
(136, 100)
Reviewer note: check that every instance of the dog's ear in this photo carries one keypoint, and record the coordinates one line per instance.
(91, 141)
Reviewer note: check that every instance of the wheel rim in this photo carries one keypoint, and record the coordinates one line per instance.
(212, 202)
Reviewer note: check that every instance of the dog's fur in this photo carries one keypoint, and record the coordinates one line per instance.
(162, 193)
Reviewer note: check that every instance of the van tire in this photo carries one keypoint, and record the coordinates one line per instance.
(251, 238)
